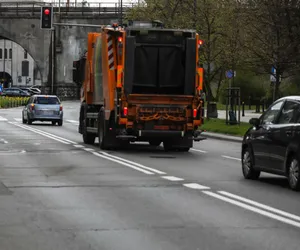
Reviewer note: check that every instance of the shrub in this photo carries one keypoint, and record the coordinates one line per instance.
(11, 102)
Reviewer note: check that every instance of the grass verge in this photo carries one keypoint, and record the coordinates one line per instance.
(221, 106)
(12, 102)
(220, 126)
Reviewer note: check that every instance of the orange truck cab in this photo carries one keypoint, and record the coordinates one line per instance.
(142, 83)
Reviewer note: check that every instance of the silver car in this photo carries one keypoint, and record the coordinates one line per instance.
(43, 108)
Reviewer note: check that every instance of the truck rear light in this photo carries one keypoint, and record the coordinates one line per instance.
(125, 111)
(195, 113)
(60, 108)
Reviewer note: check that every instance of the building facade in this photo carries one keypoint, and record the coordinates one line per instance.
(17, 67)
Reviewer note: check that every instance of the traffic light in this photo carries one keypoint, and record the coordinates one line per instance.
(46, 17)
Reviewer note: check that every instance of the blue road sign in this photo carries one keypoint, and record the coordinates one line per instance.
(229, 74)
(1, 88)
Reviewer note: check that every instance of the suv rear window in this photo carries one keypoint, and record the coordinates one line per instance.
(47, 100)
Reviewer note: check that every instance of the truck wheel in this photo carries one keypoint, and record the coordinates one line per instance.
(102, 130)
(168, 146)
(155, 143)
(88, 138)
(186, 149)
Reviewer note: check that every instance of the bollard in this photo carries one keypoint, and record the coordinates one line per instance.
(243, 109)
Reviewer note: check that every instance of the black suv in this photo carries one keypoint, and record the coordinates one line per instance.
(273, 143)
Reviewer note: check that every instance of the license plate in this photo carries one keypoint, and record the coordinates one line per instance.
(48, 112)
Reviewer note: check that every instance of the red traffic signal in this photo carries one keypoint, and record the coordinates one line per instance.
(46, 17)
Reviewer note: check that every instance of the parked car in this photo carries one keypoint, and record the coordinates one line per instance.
(273, 143)
(14, 92)
(32, 91)
(43, 108)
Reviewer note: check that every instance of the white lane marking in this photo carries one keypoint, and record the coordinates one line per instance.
(18, 119)
(172, 178)
(133, 163)
(123, 163)
(198, 150)
(195, 186)
(2, 119)
(12, 152)
(253, 209)
(231, 158)
(257, 204)
(46, 133)
(51, 137)
(78, 146)
(89, 149)
(73, 121)
(4, 141)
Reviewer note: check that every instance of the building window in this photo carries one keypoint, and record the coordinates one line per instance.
(1, 53)
(5, 54)
(25, 54)
(10, 53)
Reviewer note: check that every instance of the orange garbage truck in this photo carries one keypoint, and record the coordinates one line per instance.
(142, 82)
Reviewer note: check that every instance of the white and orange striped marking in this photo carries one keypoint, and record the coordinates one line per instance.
(110, 52)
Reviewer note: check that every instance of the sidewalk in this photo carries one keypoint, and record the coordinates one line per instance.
(248, 115)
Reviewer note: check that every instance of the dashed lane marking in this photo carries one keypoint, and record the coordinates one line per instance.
(89, 149)
(231, 158)
(18, 119)
(195, 186)
(73, 121)
(2, 119)
(198, 150)
(172, 178)
(78, 146)
(4, 141)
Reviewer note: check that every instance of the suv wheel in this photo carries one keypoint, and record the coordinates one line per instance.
(248, 167)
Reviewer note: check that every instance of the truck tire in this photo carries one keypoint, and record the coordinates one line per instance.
(155, 143)
(102, 132)
(88, 138)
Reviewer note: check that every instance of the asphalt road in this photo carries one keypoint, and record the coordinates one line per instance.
(57, 193)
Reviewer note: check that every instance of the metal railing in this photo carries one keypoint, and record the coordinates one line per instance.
(33, 9)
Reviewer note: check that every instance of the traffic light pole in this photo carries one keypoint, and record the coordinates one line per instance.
(52, 59)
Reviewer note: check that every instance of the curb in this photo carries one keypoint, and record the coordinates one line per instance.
(223, 137)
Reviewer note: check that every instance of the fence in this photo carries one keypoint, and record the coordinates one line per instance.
(65, 92)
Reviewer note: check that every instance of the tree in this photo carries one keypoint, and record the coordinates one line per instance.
(273, 36)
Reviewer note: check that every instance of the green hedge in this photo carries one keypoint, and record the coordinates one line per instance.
(12, 102)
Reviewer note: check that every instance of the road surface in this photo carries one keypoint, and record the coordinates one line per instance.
(57, 193)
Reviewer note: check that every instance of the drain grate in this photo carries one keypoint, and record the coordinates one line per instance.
(4, 190)
(163, 156)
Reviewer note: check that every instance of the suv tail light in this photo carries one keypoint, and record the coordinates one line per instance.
(32, 106)
(60, 108)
